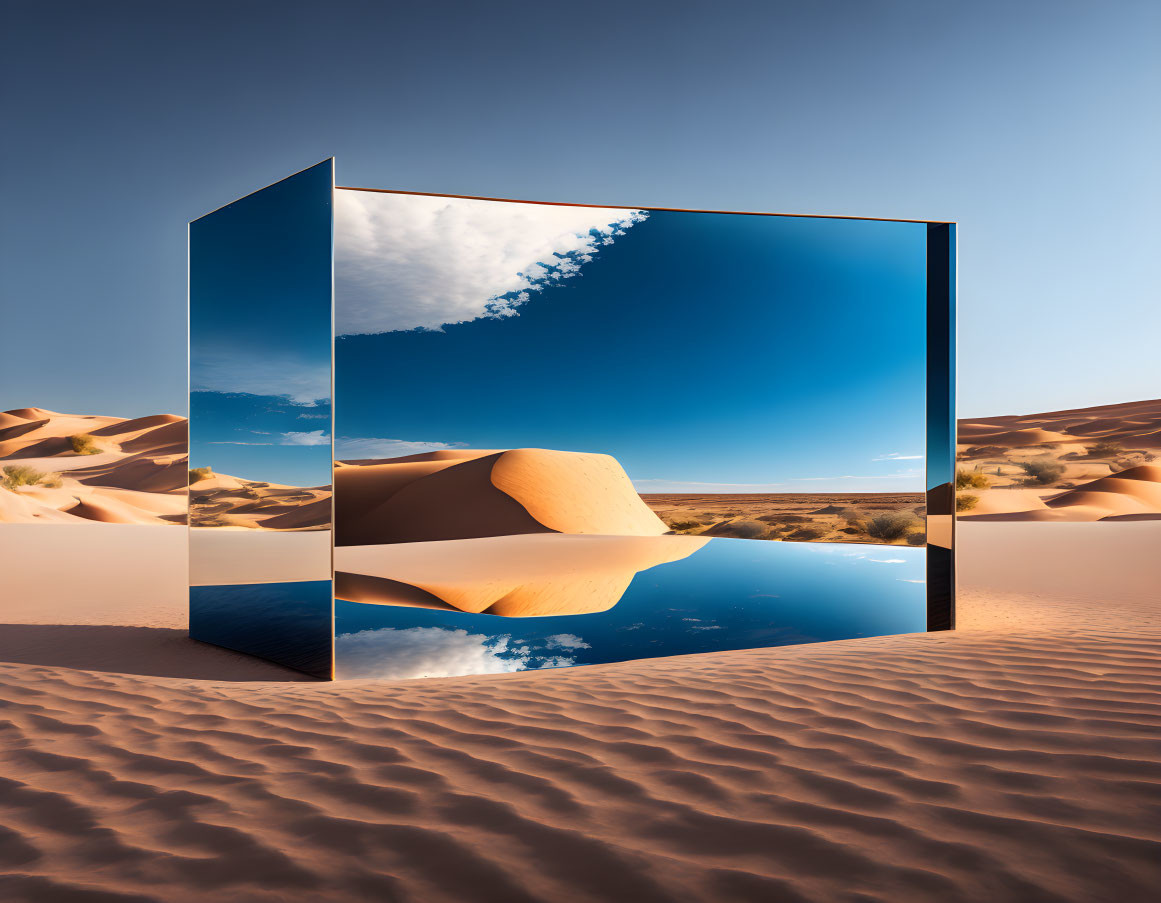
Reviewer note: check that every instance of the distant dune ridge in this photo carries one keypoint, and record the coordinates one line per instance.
(1097, 462)
(127, 471)
(135, 471)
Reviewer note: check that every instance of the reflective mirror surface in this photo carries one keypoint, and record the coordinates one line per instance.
(568, 435)
(260, 423)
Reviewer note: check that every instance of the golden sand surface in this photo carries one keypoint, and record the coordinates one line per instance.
(1014, 760)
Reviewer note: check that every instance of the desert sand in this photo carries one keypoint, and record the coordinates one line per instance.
(1094, 464)
(470, 494)
(1015, 759)
(532, 575)
(66, 468)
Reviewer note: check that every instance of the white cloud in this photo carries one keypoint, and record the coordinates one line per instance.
(888, 560)
(901, 580)
(285, 376)
(411, 262)
(895, 456)
(565, 641)
(314, 437)
(349, 449)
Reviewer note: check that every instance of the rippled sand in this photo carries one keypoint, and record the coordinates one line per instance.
(1017, 759)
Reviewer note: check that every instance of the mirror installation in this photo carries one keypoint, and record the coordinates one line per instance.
(435, 436)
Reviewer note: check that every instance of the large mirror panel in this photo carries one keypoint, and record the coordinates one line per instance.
(260, 423)
(568, 435)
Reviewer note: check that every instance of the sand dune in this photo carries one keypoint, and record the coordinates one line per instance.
(144, 457)
(472, 494)
(1104, 456)
(1014, 761)
(517, 576)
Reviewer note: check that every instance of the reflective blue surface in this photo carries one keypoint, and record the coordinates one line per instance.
(731, 594)
(286, 623)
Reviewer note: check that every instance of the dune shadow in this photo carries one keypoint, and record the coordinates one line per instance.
(149, 651)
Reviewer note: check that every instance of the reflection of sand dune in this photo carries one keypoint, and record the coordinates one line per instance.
(220, 500)
(472, 494)
(516, 576)
(134, 471)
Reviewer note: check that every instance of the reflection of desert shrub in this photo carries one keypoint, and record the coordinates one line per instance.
(970, 479)
(746, 529)
(916, 539)
(83, 444)
(1042, 471)
(808, 532)
(199, 473)
(891, 525)
(16, 475)
(684, 524)
(1106, 448)
(966, 502)
(251, 493)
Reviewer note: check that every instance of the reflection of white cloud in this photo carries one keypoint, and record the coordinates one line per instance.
(565, 641)
(242, 372)
(888, 560)
(402, 654)
(901, 580)
(895, 456)
(903, 477)
(348, 449)
(660, 485)
(412, 262)
(314, 437)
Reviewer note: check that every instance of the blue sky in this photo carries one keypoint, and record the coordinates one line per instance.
(706, 352)
(1035, 125)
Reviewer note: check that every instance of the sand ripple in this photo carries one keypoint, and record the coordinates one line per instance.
(984, 765)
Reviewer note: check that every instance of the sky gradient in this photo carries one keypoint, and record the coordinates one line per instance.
(1033, 125)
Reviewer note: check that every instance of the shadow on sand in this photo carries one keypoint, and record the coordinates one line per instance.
(152, 651)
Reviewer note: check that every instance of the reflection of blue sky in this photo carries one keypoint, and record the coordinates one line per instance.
(706, 352)
(730, 594)
(260, 309)
(261, 437)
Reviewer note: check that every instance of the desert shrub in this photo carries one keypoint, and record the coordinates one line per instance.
(1042, 471)
(916, 539)
(16, 475)
(84, 444)
(970, 479)
(890, 525)
(684, 524)
(966, 502)
(1106, 448)
(199, 473)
